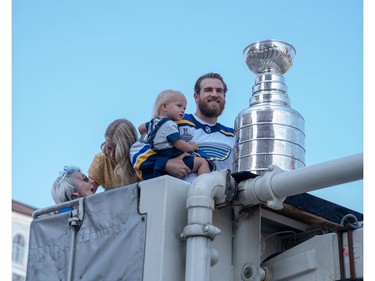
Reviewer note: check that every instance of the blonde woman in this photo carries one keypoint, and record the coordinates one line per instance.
(111, 168)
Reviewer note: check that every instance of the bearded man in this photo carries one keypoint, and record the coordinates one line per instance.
(215, 140)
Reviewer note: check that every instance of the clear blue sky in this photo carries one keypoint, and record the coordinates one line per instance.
(78, 65)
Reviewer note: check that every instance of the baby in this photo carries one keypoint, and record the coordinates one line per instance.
(163, 135)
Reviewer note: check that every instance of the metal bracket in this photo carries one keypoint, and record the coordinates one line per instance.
(76, 215)
(206, 230)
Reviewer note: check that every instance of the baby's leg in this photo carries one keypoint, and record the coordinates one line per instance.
(200, 165)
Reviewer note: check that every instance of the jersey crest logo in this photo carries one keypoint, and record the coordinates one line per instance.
(214, 152)
(185, 135)
(208, 129)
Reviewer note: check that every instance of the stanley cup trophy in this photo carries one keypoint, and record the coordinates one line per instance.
(269, 132)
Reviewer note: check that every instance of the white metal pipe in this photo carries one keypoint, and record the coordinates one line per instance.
(198, 259)
(276, 184)
(318, 176)
(204, 191)
(71, 255)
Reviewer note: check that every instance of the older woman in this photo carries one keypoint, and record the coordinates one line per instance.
(71, 184)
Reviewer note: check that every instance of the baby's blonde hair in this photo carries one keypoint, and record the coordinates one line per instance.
(164, 97)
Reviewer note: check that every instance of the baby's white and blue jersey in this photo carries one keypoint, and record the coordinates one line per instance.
(162, 133)
(215, 144)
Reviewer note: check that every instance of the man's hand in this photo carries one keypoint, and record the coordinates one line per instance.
(176, 166)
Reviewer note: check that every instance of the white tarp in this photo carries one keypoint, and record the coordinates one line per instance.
(108, 246)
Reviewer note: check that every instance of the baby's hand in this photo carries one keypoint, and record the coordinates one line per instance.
(193, 145)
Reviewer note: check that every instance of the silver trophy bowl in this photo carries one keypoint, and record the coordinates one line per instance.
(269, 56)
(270, 131)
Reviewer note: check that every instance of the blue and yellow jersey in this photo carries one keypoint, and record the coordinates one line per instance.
(215, 144)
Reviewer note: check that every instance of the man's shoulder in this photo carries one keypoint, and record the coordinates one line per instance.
(188, 120)
(225, 129)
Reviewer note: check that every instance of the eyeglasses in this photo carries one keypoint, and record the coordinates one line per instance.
(68, 170)
(86, 179)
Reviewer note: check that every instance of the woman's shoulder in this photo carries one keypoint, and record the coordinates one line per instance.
(98, 163)
(100, 157)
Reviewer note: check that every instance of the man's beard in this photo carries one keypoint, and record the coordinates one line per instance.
(210, 109)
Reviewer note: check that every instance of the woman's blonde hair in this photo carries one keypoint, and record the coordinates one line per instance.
(164, 97)
(123, 133)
